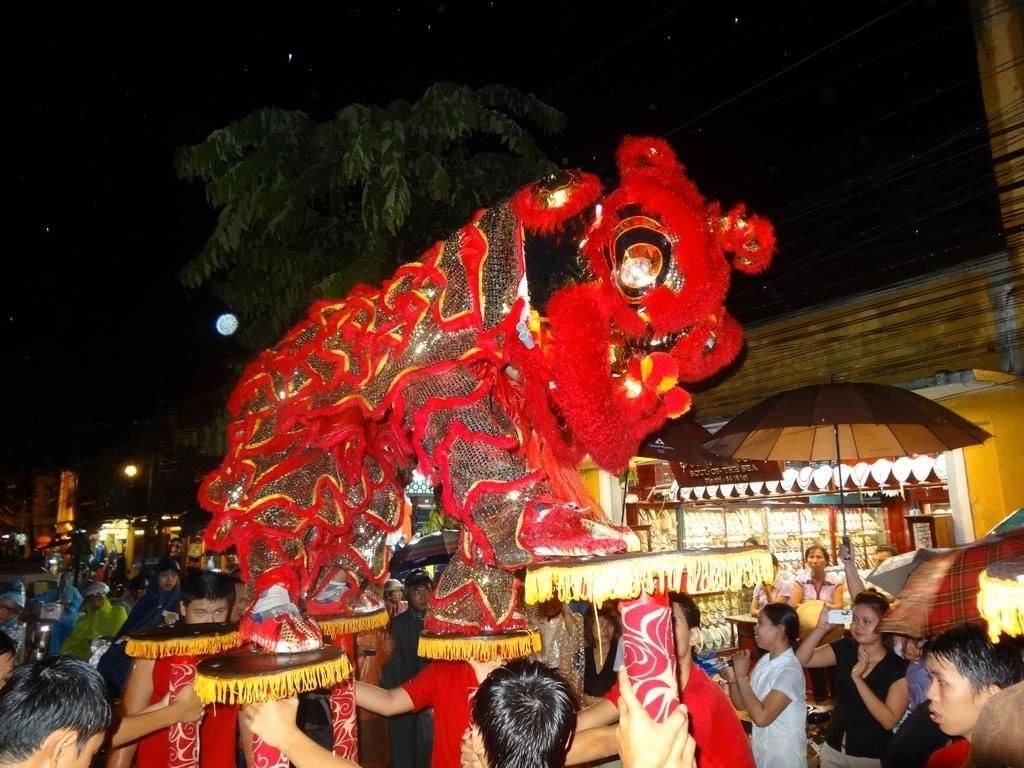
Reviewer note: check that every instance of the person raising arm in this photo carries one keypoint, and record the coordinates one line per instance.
(872, 691)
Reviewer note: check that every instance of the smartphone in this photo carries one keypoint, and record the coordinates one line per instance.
(837, 616)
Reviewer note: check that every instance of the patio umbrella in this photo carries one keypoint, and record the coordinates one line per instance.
(679, 440)
(942, 592)
(433, 549)
(847, 420)
(892, 573)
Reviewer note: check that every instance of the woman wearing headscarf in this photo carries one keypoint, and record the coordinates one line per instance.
(101, 619)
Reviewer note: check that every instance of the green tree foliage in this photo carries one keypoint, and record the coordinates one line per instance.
(308, 209)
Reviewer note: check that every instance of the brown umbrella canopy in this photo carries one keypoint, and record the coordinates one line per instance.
(679, 440)
(872, 420)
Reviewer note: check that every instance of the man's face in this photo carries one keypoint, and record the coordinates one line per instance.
(204, 611)
(953, 705)
(418, 596)
(168, 580)
(685, 636)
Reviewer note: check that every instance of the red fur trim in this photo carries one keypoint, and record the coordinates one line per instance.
(677, 402)
(603, 421)
(696, 361)
(698, 256)
(644, 153)
(531, 204)
(751, 240)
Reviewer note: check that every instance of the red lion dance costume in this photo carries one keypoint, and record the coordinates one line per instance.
(555, 324)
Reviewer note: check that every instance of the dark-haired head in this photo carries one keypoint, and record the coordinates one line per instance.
(59, 703)
(685, 623)
(816, 548)
(874, 600)
(592, 624)
(206, 585)
(785, 616)
(980, 661)
(526, 714)
(206, 596)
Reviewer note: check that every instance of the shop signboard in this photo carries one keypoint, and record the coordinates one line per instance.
(726, 472)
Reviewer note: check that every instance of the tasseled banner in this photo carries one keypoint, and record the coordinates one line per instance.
(619, 577)
(202, 645)
(335, 626)
(513, 645)
(1001, 604)
(271, 686)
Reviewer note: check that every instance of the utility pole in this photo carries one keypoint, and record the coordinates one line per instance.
(999, 37)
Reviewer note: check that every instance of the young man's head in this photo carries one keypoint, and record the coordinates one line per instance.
(526, 715)
(418, 586)
(967, 670)
(61, 708)
(167, 572)
(206, 596)
(685, 626)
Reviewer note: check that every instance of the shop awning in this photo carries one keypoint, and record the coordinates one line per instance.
(874, 475)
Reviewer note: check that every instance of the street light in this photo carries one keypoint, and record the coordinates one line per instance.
(130, 471)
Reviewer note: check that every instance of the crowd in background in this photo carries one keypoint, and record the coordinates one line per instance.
(895, 701)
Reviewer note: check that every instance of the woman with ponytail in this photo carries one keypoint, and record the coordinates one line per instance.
(773, 695)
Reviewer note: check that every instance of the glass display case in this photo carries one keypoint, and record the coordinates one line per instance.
(787, 530)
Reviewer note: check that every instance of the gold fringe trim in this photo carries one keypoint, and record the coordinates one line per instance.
(182, 646)
(622, 577)
(271, 687)
(1001, 604)
(348, 625)
(480, 648)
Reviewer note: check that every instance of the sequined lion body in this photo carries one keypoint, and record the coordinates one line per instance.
(450, 367)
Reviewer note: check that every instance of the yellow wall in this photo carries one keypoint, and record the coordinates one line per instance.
(945, 322)
(995, 471)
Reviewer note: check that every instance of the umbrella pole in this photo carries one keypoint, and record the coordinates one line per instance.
(839, 476)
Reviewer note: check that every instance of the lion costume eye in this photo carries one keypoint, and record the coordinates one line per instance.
(641, 256)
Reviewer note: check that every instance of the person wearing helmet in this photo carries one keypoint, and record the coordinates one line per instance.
(393, 597)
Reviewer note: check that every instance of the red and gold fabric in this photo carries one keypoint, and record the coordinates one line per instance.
(471, 366)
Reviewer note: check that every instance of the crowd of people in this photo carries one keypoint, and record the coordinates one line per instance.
(898, 701)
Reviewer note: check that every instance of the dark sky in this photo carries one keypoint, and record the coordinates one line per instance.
(856, 126)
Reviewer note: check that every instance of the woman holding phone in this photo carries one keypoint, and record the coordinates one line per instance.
(871, 694)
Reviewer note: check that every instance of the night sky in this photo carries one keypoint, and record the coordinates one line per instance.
(857, 127)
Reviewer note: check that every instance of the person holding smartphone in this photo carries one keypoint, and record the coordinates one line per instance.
(871, 694)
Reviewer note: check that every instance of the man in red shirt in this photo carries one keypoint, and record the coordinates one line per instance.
(967, 670)
(206, 596)
(444, 685)
(720, 739)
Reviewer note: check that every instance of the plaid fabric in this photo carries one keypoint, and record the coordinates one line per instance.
(942, 593)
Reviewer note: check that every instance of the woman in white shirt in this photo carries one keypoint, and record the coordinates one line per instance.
(773, 695)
